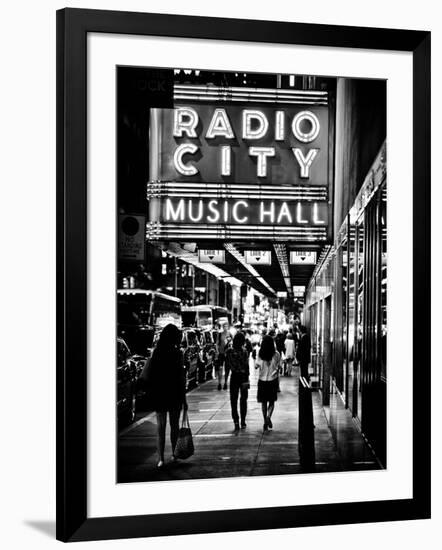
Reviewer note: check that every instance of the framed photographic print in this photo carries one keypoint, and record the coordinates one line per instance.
(243, 292)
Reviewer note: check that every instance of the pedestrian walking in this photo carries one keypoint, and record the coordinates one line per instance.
(280, 348)
(256, 341)
(268, 362)
(224, 340)
(166, 387)
(289, 346)
(237, 361)
(303, 353)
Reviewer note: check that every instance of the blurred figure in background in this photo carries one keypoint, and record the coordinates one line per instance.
(303, 353)
(289, 345)
(280, 348)
(296, 334)
(224, 340)
(256, 342)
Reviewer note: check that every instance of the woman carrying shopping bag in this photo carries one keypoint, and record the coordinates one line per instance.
(166, 387)
(268, 362)
(184, 447)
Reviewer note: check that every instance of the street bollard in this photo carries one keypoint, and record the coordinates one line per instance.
(306, 438)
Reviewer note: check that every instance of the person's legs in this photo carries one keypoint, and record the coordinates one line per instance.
(288, 367)
(234, 390)
(161, 435)
(270, 410)
(174, 420)
(220, 362)
(226, 374)
(243, 406)
(264, 413)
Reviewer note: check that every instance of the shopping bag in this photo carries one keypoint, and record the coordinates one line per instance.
(184, 446)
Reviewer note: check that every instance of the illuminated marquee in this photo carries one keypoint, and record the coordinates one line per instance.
(261, 158)
(254, 126)
(243, 212)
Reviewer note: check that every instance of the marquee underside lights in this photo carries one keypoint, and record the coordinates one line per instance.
(193, 231)
(156, 190)
(193, 259)
(208, 93)
(281, 254)
(241, 259)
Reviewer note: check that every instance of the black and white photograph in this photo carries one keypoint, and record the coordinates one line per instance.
(221, 237)
(251, 275)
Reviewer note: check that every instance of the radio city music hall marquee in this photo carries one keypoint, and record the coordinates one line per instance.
(240, 164)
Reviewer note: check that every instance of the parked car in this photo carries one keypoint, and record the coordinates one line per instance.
(129, 368)
(192, 349)
(209, 354)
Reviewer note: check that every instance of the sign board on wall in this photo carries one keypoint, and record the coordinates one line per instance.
(239, 163)
(131, 237)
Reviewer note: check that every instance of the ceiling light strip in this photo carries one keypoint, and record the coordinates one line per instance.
(255, 95)
(220, 185)
(257, 196)
(281, 254)
(241, 89)
(277, 101)
(240, 258)
(192, 258)
(234, 228)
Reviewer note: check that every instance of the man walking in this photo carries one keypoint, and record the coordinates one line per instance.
(223, 343)
(303, 353)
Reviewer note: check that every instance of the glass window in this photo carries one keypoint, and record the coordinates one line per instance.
(383, 328)
(351, 307)
(360, 312)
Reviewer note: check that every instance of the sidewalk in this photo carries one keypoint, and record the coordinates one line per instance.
(222, 452)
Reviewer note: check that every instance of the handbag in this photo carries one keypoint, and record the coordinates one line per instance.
(184, 446)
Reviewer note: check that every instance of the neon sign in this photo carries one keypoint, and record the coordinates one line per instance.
(233, 159)
(242, 212)
(254, 126)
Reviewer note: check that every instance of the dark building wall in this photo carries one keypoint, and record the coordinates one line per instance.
(360, 132)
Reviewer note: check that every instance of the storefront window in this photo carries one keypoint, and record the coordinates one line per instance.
(340, 359)
(360, 312)
(351, 314)
(383, 328)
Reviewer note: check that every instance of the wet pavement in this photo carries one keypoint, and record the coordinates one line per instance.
(220, 451)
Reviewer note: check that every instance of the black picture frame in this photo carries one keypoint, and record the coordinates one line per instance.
(73, 25)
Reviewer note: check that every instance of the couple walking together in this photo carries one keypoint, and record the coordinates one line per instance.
(268, 362)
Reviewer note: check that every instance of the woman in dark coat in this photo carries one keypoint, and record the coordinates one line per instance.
(166, 386)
